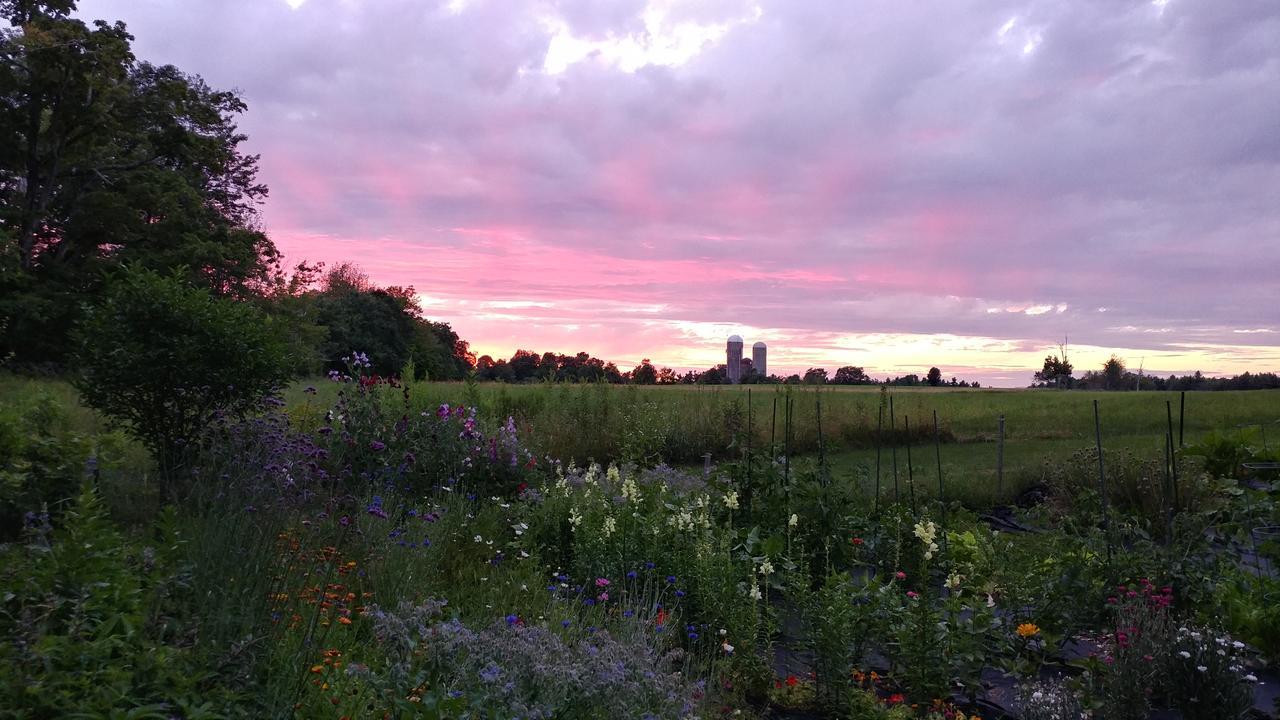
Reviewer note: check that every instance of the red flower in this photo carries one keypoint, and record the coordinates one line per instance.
(896, 698)
(662, 617)
(856, 541)
(792, 681)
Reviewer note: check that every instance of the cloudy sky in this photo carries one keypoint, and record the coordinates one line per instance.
(893, 184)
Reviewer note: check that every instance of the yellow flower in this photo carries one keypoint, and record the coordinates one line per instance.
(1026, 630)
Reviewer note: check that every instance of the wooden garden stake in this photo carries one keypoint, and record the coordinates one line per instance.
(911, 480)
(879, 429)
(893, 450)
(1102, 480)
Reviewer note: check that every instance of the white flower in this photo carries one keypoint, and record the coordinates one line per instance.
(953, 581)
(723, 632)
(766, 567)
(1251, 678)
(1185, 655)
(795, 520)
(630, 490)
(610, 526)
(1201, 668)
(991, 601)
(731, 500)
(1237, 645)
(612, 475)
(479, 539)
(575, 519)
(755, 591)
(727, 648)
(926, 531)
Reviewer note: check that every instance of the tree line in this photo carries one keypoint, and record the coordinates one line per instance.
(1058, 372)
(527, 366)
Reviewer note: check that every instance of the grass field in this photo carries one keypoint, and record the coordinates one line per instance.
(680, 424)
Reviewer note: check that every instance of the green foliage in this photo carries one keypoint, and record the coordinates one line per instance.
(1225, 452)
(122, 162)
(88, 635)
(41, 460)
(165, 358)
(387, 326)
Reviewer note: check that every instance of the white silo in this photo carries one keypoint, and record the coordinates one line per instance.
(759, 356)
(733, 359)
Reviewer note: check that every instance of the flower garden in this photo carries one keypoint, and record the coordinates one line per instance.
(373, 560)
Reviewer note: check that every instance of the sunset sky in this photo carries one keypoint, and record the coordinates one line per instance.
(889, 184)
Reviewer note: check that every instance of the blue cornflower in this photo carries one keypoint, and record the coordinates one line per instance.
(648, 566)
(512, 620)
(589, 602)
(693, 636)
(628, 613)
(679, 593)
(671, 579)
(564, 623)
(632, 575)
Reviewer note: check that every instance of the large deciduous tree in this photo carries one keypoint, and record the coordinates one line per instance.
(105, 159)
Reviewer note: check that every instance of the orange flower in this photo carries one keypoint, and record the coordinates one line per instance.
(1027, 630)
(344, 620)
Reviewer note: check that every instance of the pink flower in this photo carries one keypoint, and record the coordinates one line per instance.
(602, 582)
(913, 594)
(900, 575)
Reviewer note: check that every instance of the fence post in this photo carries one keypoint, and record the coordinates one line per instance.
(942, 495)
(1000, 460)
(911, 480)
(879, 429)
(1102, 481)
(893, 451)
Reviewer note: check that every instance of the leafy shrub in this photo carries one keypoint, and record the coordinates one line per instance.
(164, 359)
(41, 461)
(87, 628)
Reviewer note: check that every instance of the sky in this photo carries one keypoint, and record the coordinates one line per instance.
(890, 184)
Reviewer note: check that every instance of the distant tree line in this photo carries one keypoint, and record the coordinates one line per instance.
(529, 366)
(1058, 372)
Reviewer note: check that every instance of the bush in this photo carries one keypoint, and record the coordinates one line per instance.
(87, 625)
(41, 462)
(165, 359)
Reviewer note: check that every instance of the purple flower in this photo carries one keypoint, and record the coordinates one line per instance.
(377, 445)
